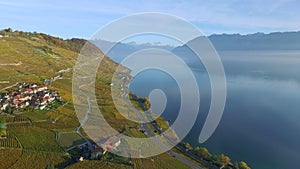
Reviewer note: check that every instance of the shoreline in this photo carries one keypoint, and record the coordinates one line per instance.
(192, 151)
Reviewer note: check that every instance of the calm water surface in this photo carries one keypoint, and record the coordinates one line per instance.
(260, 124)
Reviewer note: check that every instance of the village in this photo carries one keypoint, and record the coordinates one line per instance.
(28, 94)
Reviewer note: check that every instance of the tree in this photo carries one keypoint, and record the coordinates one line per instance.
(241, 165)
(202, 152)
(147, 104)
(224, 160)
(186, 145)
(9, 30)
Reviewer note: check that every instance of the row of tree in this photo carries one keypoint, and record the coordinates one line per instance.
(219, 160)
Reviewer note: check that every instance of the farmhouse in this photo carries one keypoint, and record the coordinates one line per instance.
(111, 144)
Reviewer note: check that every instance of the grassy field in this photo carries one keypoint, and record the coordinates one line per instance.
(36, 139)
(162, 161)
(10, 142)
(38, 160)
(35, 116)
(2, 127)
(9, 157)
(97, 165)
(69, 139)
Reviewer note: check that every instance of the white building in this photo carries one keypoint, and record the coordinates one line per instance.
(43, 107)
(4, 106)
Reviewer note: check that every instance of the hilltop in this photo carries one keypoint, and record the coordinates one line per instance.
(38, 138)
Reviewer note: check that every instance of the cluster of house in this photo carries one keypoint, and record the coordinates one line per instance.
(93, 151)
(90, 152)
(28, 94)
(111, 144)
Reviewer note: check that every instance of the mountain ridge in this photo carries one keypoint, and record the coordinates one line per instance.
(221, 42)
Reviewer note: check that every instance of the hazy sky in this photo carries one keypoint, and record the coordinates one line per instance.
(78, 18)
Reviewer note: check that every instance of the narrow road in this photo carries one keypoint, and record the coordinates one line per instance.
(86, 115)
(8, 87)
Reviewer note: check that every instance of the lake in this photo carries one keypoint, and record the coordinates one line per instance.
(260, 124)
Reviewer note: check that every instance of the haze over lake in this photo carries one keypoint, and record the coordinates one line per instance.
(260, 124)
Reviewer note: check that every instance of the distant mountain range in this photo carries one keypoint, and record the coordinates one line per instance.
(257, 41)
(118, 51)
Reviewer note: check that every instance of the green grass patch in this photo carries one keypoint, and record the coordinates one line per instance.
(9, 142)
(9, 157)
(34, 116)
(36, 139)
(2, 127)
(69, 139)
(96, 164)
(165, 161)
(40, 160)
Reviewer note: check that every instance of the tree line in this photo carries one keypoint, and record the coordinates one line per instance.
(218, 160)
